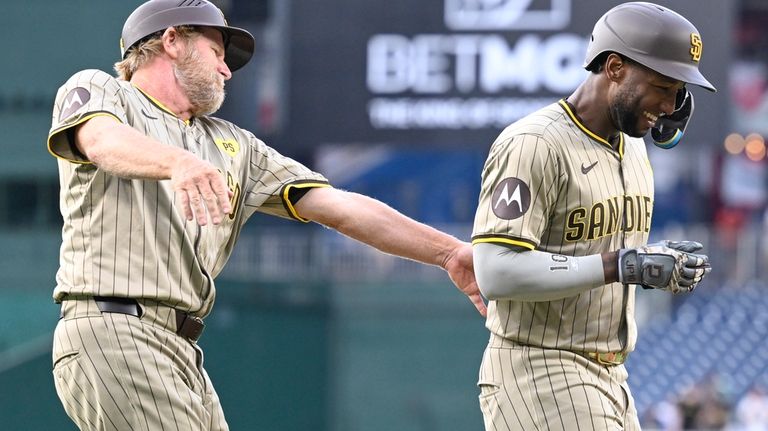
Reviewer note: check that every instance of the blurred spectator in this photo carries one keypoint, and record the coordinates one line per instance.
(664, 416)
(751, 412)
(704, 405)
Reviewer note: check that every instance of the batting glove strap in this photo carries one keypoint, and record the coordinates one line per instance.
(649, 270)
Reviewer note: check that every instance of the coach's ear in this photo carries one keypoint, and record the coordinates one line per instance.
(173, 45)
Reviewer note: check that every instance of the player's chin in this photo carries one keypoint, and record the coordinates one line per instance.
(639, 131)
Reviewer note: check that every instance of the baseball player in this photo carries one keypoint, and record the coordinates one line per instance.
(561, 229)
(154, 193)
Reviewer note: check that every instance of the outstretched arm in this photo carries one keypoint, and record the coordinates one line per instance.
(531, 275)
(380, 226)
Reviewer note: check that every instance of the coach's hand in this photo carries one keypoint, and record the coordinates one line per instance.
(202, 189)
(665, 265)
(460, 268)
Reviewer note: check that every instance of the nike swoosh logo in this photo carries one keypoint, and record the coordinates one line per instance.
(585, 169)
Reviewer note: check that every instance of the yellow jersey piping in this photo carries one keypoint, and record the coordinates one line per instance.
(501, 240)
(589, 133)
(158, 103)
(300, 185)
(69, 126)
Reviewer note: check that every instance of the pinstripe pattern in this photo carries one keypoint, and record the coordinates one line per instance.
(585, 198)
(128, 238)
(530, 388)
(125, 237)
(119, 372)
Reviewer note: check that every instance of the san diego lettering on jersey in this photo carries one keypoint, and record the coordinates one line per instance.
(605, 218)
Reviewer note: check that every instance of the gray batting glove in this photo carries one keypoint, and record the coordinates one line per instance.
(667, 265)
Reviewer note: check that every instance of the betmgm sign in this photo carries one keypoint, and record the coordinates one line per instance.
(437, 71)
(499, 61)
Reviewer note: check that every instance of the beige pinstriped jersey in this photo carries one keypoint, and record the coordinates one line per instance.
(550, 184)
(129, 238)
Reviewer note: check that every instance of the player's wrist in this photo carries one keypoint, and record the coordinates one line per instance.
(181, 161)
(627, 266)
(450, 255)
(611, 266)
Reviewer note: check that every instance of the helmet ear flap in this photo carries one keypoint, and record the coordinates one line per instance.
(669, 129)
(680, 98)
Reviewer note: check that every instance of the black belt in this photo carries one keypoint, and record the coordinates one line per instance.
(187, 325)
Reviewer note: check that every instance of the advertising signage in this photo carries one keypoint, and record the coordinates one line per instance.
(450, 72)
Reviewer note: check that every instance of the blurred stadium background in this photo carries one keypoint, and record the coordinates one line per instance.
(401, 100)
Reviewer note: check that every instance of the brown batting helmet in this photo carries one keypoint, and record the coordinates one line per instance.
(652, 35)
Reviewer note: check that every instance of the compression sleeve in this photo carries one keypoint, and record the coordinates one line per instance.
(532, 275)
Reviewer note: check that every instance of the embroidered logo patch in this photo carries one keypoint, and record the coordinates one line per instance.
(229, 146)
(696, 47)
(75, 99)
(511, 199)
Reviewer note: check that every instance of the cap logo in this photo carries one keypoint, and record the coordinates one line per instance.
(695, 47)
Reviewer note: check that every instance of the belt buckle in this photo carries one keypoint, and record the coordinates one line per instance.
(610, 358)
